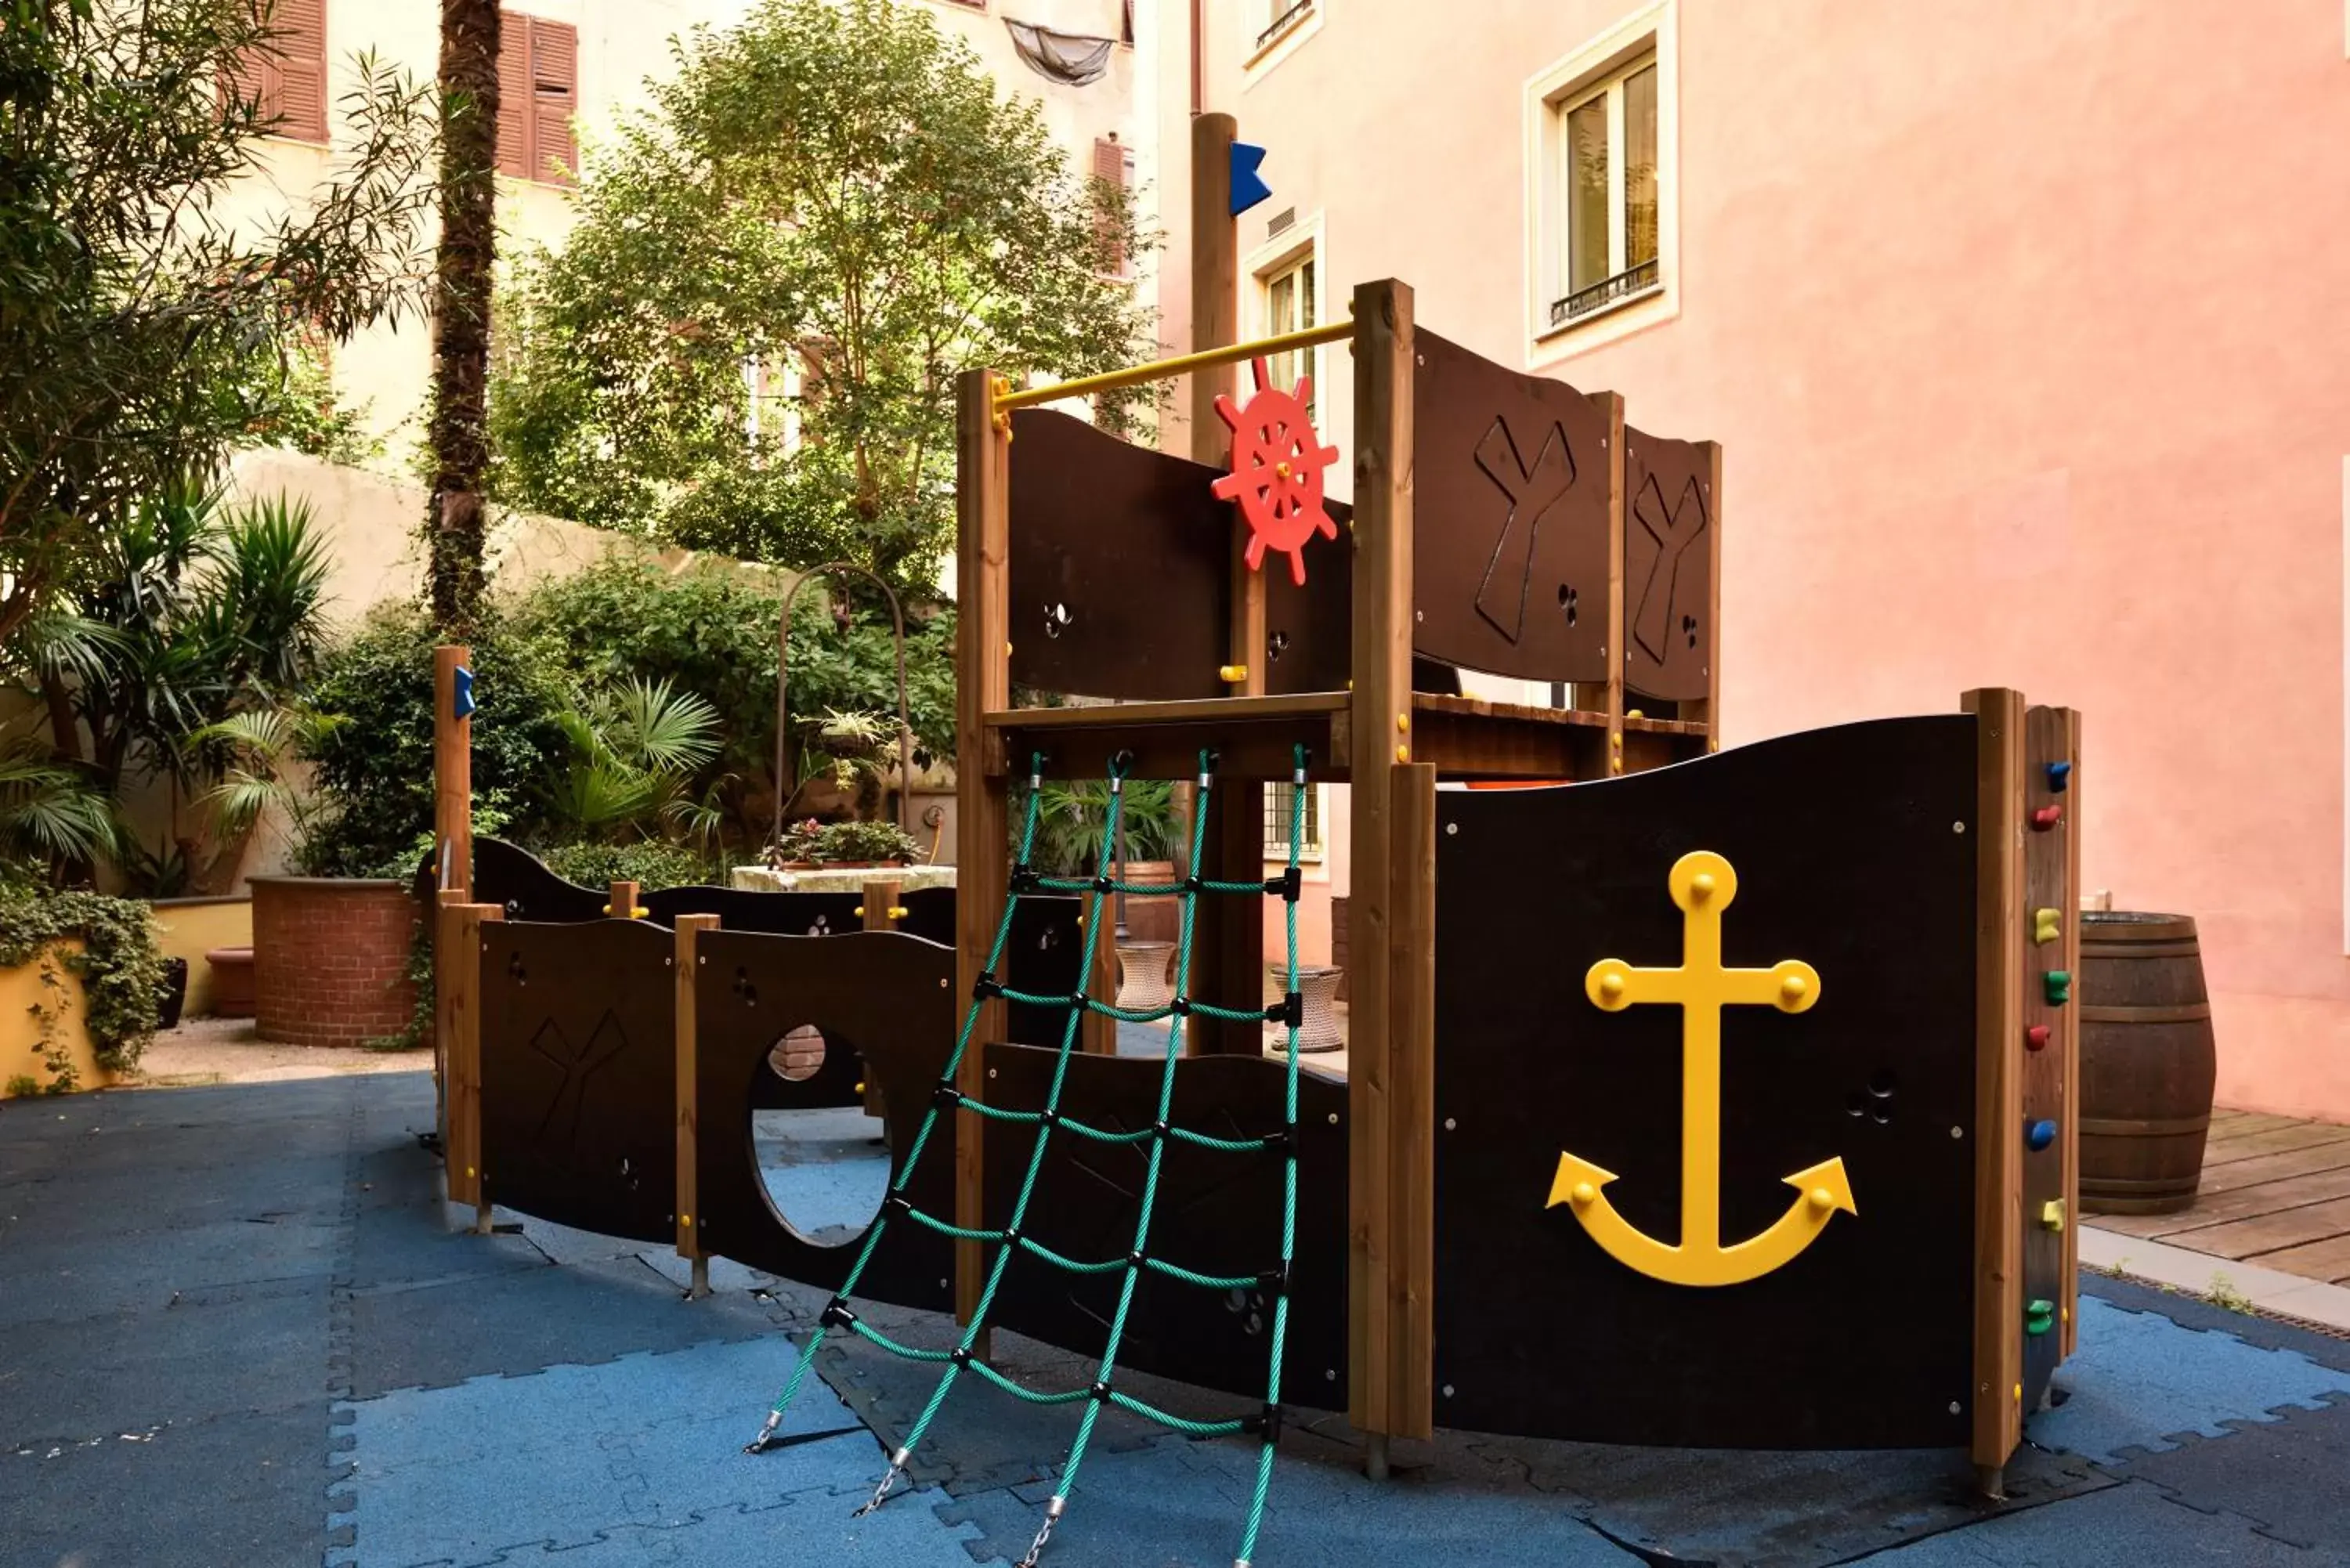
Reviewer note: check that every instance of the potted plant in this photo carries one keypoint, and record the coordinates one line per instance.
(845, 845)
(1070, 818)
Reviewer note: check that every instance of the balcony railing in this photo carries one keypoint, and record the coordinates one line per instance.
(1282, 24)
(1607, 291)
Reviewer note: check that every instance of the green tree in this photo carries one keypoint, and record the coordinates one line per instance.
(136, 316)
(832, 191)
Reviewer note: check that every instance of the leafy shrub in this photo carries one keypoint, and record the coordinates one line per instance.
(648, 865)
(374, 769)
(866, 841)
(120, 966)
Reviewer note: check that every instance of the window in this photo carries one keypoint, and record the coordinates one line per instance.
(1113, 166)
(1271, 21)
(1292, 303)
(1270, 31)
(1601, 124)
(538, 92)
(1277, 799)
(289, 75)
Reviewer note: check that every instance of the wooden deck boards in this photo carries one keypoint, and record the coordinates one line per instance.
(2275, 1192)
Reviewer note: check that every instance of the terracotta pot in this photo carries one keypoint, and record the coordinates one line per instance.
(1154, 918)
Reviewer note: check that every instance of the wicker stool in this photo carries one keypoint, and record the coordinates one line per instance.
(1318, 986)
(1143, 967)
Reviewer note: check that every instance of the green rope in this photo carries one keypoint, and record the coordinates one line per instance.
(1049, 1119)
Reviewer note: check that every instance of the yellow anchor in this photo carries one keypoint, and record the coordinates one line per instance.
(1702, 886)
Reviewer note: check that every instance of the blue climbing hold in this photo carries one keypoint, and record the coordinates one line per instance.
(2059, 775)
(1248, 186)
(463, 695)
(2039, 1135)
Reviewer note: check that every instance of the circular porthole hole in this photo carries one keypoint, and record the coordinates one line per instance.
(824, 1162)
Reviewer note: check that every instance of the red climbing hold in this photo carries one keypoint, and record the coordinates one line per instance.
(1277, 470)
(2046, 817)
(2036, 1037)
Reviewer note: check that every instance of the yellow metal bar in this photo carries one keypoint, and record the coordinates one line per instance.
(1160, 369)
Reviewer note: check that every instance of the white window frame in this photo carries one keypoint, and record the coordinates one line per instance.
(1288, 251)
(1566, 84)
(1299, 19)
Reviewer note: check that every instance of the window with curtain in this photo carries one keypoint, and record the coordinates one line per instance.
(1288, 292)
(1607, 164)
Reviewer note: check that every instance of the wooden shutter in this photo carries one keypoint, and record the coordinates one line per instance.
(301, 66)
(514, 95)
(554, 96)
(1111, 168)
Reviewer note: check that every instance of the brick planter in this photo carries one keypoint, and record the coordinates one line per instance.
(330, 959)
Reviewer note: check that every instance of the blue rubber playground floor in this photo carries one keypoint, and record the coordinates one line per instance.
(237, 1328)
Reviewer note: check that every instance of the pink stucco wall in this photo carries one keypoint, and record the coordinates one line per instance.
(2024, 328)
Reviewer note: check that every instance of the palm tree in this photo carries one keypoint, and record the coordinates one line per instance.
(460, 353)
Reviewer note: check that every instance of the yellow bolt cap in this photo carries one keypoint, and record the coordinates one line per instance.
(1794, 988)
(1611, 985)
(1701, 886)
(1403, 754)
(1585, 1194)
(1822, 1200)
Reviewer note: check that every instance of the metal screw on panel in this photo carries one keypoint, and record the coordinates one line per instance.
(1954, 1407)
(1452, 828)
(1334, 1118)
(1451, 1125)
(1958, 827)
(1448, 1390)
(1957, 1132)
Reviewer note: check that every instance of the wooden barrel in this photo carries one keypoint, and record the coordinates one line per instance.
(2146, 1062)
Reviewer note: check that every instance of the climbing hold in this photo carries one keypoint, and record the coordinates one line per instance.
(2046, 817)
(2059, 775)
(2060, 986)
(2038, 1318)
(860, 1088)
(2036, 1037)
(2047, 925)
(2039, 1135)
(2051, 1214)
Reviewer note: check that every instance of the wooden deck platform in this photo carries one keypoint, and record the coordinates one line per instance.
(2275, 1192)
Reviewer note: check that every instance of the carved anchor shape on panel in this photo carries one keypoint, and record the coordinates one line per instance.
(1702, 886)
(1532, 491)
(1675, 529)
(561, 1121)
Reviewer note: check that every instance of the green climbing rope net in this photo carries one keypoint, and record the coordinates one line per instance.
(1047, 1120)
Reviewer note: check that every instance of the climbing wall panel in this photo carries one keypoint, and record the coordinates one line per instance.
(2050, 1047)
(1568, 1251)
(579, 1065)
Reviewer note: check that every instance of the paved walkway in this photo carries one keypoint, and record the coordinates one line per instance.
(236, 1330)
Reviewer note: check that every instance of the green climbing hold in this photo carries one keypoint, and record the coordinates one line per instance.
(2038, 1318)
(2060, 986)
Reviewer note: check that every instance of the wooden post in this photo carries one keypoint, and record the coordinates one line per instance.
(1228, 934)
(1098, 1035)
(457, 1016)
(689, 1068)
(1412, 1099)
(881, 911)
(982, 873)
(2000, 936)
(1608, 697)
(1380, 1054)
(621, 903)
(452, 775)
(452, 826)
(1711, 712)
